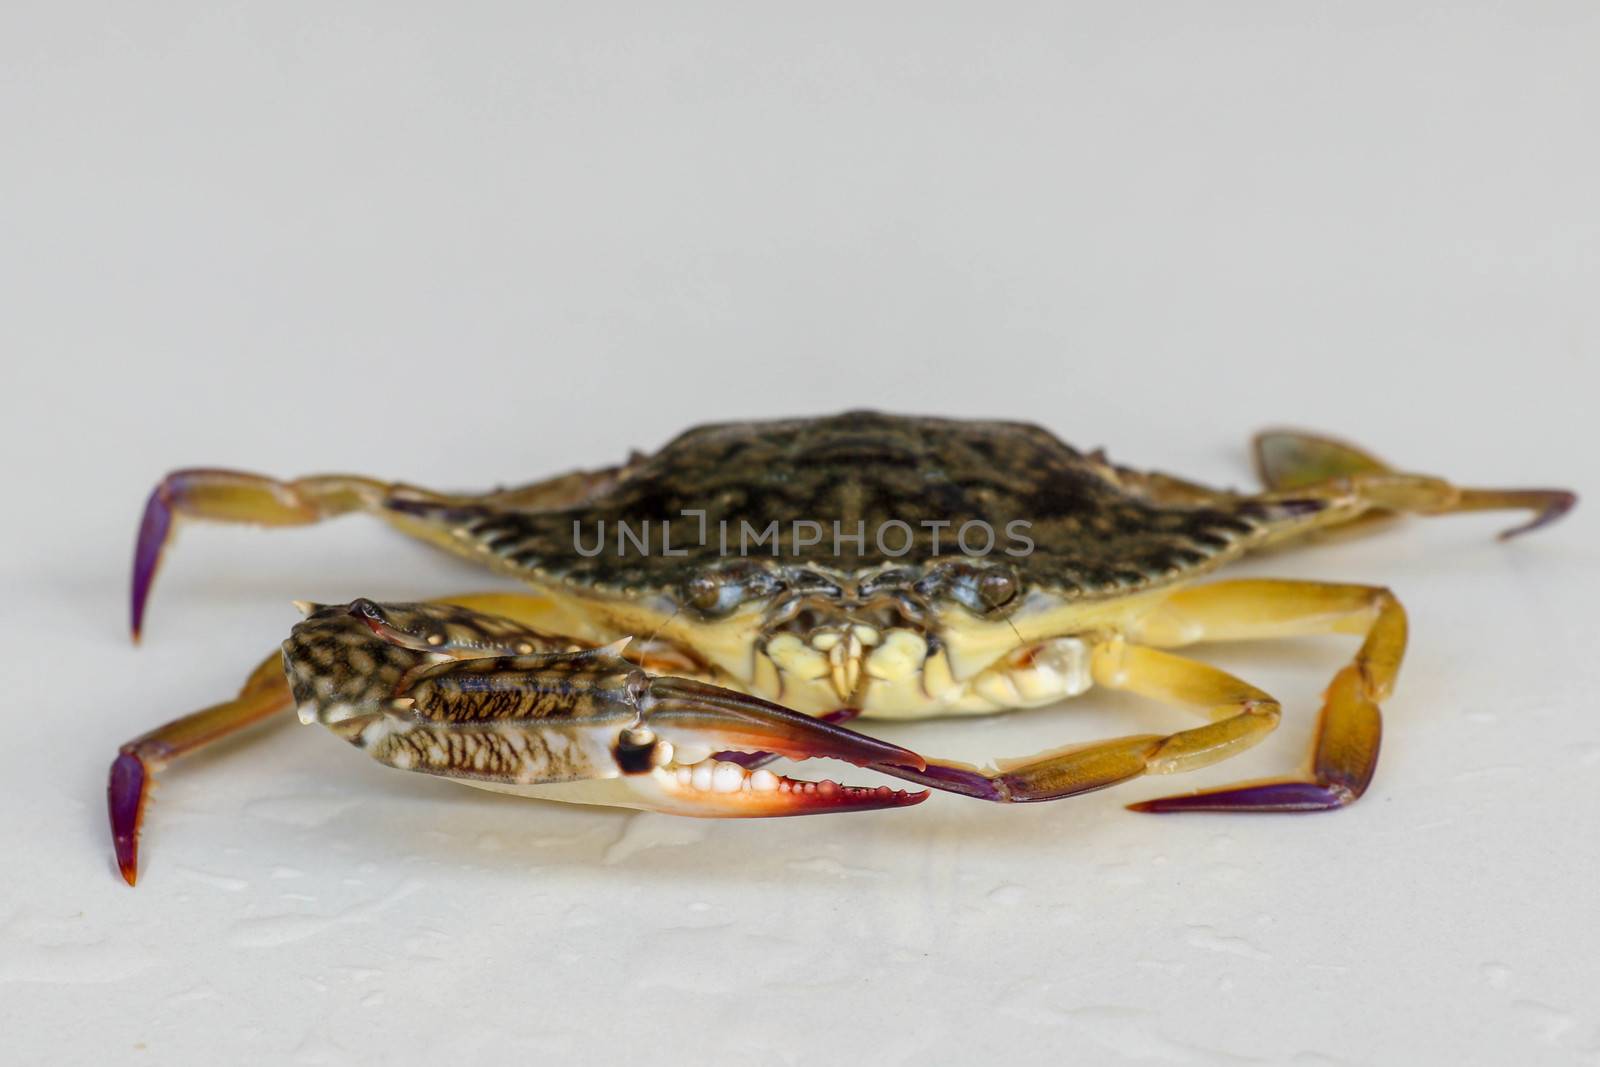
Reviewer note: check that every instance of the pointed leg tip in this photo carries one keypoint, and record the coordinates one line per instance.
(1264, 797)
(125, 795)
(1555, 504)
(154, 531)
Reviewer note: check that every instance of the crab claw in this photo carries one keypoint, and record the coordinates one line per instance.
(687, 712)
(717, 790)
(696, 720)
(752, 760)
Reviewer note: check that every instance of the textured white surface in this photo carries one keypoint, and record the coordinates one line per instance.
(479, 243)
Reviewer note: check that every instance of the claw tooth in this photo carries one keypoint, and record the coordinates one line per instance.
(764, 781)
(700, 777)
(727, 778)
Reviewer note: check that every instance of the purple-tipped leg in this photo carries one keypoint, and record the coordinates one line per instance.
(1547, 506)
(234, 496)
(128, 788)
(125, 795)
(1286, 796)
(155, 529)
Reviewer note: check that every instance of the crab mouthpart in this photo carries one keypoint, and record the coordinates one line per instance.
(845, 650)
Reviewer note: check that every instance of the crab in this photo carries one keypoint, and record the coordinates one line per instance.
(742, 592)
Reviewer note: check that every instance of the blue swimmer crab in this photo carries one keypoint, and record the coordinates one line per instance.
(744, 591)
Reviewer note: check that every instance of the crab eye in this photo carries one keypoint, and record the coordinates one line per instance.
(714, 596)
(980, 592)
(718, 593)
(400, 624)
(704, 593)
(997, 588)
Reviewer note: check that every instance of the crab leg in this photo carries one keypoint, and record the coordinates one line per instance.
(263, 695)
(240, 497)
(1349, 729)
(1360, 487)
(1242, 716)
(1344, 754)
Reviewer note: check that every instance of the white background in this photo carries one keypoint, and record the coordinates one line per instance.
(463, 244)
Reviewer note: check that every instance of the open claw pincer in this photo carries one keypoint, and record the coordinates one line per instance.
(700, 712)
(715, 740)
